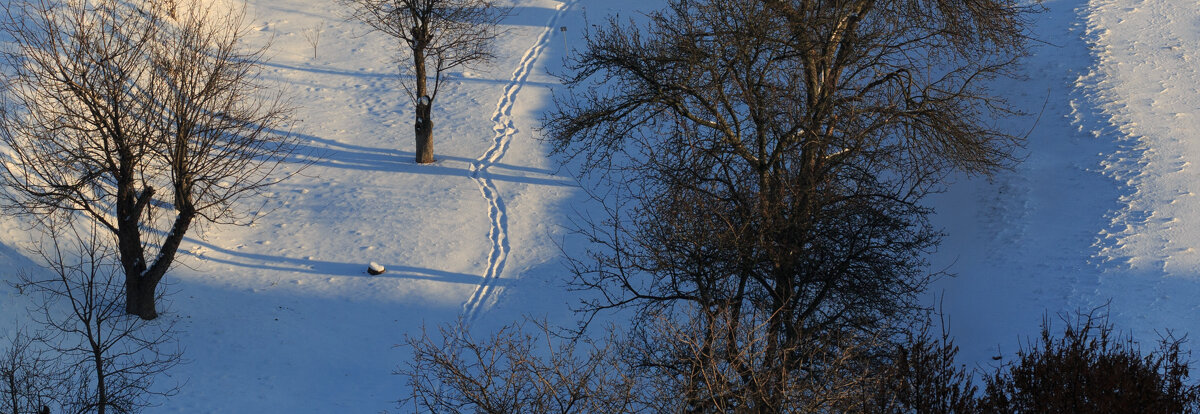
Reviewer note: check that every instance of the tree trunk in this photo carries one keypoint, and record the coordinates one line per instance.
(11, 379)
(142, 299)
(129, 239)
(424, 131)
(101, 387)
(424, 125)
(132, 287)
(140, 290)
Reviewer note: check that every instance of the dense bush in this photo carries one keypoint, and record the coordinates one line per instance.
(1084, 369)
(925, 378)
(1088, 369)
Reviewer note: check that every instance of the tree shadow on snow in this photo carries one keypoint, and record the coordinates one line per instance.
(529, 16)
(334, 154)
(13, 260)
(447, 76)
(323, 267)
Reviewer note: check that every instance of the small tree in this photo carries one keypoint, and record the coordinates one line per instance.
(441, 35)
(923, 377)
(27, 378)
(102, 359)
(144, 124)
(516, 370)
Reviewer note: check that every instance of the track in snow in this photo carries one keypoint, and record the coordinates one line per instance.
(505, 130)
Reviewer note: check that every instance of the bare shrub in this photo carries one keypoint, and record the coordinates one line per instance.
(923, 377)
(1089, 369)
(685, 365)
(105, 359)
(518, 369)
(28, 380)
(665, 365)
(658, 367)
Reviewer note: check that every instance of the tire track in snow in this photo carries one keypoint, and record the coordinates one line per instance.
(505, 130)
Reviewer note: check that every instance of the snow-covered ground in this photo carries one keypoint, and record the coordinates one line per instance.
(283, 317)
(1102, 210)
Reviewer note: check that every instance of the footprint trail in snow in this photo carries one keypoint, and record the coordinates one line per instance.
(505, 130)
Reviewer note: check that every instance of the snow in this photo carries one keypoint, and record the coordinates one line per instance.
(281, 317)
(1101, 211)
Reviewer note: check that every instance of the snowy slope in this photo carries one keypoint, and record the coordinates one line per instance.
(1149, 56)
(298, 323)
(1102, 210)
(1024, 242)
(282, 316)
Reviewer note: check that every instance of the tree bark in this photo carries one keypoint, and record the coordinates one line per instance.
(129, 239)
(424, 131)
(141, 297)
(423, 126)
(147, 282)
(98, 367)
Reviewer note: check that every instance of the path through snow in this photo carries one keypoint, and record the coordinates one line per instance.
(1025, 242)
(505, 130)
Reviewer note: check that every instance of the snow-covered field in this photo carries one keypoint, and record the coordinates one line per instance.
(1103, 209)
(283, 317)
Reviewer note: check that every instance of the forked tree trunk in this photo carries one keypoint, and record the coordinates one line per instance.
(130, 205)
(141, 287)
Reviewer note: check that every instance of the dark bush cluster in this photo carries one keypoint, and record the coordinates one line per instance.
(1086, 368)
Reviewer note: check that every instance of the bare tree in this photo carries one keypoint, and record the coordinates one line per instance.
(518, 369)
(28, 380)
(147, 126)
(107, 360)
(440, 35)
(312, 35)
(768, 159)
